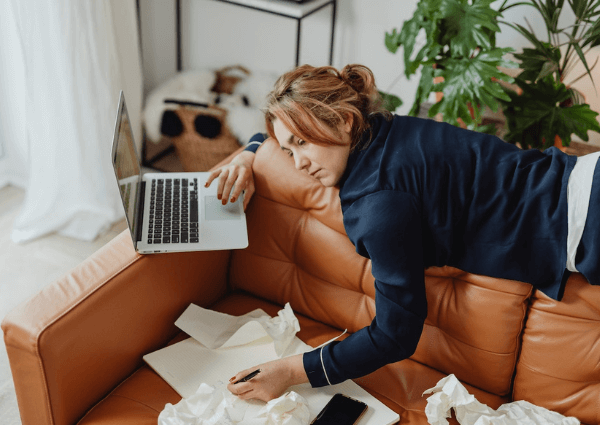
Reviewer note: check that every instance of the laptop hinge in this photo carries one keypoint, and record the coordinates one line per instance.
(140, 224)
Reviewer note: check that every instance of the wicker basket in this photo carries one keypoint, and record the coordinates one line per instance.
(206, 139)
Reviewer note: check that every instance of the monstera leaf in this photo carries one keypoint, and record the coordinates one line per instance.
(471, 81)
(536, 116)
(539, 62)
(467, 27)
(460, 44)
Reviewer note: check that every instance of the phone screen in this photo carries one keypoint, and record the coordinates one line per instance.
(340, 410)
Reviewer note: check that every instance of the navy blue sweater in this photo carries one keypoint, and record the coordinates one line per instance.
(423, 194)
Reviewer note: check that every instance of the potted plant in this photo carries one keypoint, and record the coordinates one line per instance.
(460, 52)
(545, 108)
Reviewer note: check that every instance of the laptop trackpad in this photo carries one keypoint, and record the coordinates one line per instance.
(215, 210)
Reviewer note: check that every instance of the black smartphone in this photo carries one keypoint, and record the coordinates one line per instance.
(341, 410)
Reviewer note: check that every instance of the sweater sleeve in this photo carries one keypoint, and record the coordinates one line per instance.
(386, 227)
(255, 142)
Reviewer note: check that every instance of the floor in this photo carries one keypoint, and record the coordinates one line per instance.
(25, 269)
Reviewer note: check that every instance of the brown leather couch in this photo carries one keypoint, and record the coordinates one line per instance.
(76, 348)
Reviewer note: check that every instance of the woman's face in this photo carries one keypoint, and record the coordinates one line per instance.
(325, 163)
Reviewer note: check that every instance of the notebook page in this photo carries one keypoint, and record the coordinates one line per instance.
(187, 364)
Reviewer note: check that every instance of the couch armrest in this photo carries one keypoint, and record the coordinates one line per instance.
(82, 335)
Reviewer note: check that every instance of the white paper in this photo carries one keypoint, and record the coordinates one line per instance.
(211, 328)
(449, 394)
(189, 364)
(289, 409)
(218, 330)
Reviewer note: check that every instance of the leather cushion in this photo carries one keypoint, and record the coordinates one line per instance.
(473, 327)
(559, 367)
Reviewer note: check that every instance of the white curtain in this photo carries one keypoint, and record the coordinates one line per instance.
(62, 65)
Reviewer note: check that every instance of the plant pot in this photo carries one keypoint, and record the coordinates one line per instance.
(558, 143)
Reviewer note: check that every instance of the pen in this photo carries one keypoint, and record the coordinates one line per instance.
(248, 377)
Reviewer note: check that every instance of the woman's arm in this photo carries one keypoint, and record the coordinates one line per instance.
(237, 176)
(385, 227)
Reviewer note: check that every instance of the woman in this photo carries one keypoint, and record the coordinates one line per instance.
(414, 194)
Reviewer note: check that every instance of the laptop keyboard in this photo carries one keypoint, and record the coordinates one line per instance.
(173, 211)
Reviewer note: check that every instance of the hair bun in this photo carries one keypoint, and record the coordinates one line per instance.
(360, 78)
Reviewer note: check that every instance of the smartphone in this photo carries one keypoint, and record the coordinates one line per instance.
(341, 410)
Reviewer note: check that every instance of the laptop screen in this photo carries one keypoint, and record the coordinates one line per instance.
(126, 165)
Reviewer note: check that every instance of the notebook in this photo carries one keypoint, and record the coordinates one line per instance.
(172, 212)
(221, 345)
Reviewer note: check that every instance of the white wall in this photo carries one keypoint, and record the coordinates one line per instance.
(215, 34)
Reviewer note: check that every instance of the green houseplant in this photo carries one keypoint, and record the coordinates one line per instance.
(460, 52)
(544, 106)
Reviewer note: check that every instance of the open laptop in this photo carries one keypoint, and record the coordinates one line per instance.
(172, 212)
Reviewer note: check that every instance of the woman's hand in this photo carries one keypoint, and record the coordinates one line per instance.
(273, 380)
(236, 175)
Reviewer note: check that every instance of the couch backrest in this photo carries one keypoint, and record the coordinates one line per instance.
(299, 253)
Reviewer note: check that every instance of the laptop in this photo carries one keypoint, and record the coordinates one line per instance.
(172, 212)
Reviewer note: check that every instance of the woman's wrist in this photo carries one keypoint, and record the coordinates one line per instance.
(245, 158)
(296, 368)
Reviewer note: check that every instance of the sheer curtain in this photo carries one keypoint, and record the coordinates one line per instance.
(62, 65)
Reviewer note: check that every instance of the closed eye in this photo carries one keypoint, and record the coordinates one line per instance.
(287, 151)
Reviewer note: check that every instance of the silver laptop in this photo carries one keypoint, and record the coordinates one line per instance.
(172, 212)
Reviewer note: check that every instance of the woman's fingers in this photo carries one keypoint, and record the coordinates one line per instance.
(213, 175)
(233, 176)
(240, 388)
(243, 182)
(250, 394)
(222, 179)
(241, 374)
(249, 192)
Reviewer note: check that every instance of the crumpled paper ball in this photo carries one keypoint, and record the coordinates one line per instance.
(217, 406)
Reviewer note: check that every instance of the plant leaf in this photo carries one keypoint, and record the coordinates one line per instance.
(579, 8)
(471, 81)
(465, 27)
(547, 69)
(535, 117)
(423, 90)
(390, 102)
(392, 40)
(534, 62)
(575, 44)
(592, 35)
(576, 119)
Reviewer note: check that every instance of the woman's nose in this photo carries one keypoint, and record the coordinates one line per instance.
(301, 162)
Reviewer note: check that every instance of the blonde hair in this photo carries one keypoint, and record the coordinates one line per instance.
(312, 102)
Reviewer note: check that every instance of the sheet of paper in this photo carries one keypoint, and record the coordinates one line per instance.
(211, 328)
(188, 364)
(247, 334)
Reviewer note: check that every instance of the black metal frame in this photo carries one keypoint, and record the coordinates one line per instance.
(333, 4)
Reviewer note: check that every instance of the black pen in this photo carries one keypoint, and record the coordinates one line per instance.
(248, 377)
